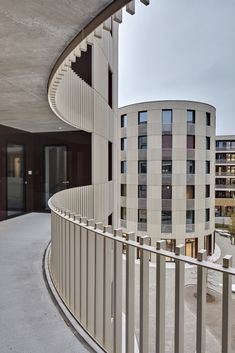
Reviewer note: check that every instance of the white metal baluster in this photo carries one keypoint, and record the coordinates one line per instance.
(179, 301)
(67, 259)
(160, 298)
(130, 295)
(99, 284)
(227, 307)
(108, 339)
(72, 261)
(117, 289)
(201, 304)
(83, 313)
(91, 277)
(144, 296)
(77, 267)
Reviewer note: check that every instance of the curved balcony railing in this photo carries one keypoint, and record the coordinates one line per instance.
(94, 280)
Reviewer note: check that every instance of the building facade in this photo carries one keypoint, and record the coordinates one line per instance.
(224, 178)
(167, 153)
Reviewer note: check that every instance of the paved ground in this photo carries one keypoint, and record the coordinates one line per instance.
(29, 321)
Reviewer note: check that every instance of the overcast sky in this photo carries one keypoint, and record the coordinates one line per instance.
(180, 49)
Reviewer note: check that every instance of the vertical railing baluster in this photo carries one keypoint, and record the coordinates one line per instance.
(130, 295)
(201, 303)
(179, 300)
(160, 298)
(83, 307)
(99, 284)
(108, 339)
(227, 307)
(91, 277)
(117, 289)
(144, 296)
(72, 261)
(77, 267)
(67, 259)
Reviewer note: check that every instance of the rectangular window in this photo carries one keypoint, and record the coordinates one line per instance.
(208, 167)
(167, 117)
(142, 216)
(142, 142)
(191, 141)
(123, 144)
(142, 167)
(166, 192)
(190, 217)
(142, 191)
(110, 88)
(110, 161)
(123, 167)
(167, 141)
(207, 214)
(190, 191)
(191, 116)
(142, 117)
(190, 167)
(123, 213)
(207, 190)
(208, 143)
(123, 189)
(166, 217)
(167, 121)
(166, 167)
(124, 120)
(208, 119)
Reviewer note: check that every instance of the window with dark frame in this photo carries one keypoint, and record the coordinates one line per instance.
(191, 116)
(123, 167)
(207, 190)
(166, 192)
(190, 167)
(208, 167)
(208, 143)
(190, 217)
(167, 141)
(123, 213)
(142, 216)
(123, 120)
(123, 144)
(167, 217)
(208, 119)
(142, 167)
(166, 167)
(190, 192)
(142, 191)
(123, 189)
(142, 142)
(190, 141)
(142, 117)
(207, 214)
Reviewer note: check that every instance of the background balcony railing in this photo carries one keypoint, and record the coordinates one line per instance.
(87, 271)
(228, 148)
(225, 161)
(226, 174)
(221, 186)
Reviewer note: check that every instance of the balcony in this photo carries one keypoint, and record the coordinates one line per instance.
(225, 161)
(224, 187)
(225, 174)
(226, 149)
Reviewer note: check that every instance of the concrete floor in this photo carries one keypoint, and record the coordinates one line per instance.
(29, 320)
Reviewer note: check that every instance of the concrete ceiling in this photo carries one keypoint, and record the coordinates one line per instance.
(33, 33)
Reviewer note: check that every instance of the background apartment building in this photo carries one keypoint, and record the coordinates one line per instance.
(224, 178)
(167, 177)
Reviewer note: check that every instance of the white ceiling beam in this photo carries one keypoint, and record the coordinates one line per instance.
(117, 17)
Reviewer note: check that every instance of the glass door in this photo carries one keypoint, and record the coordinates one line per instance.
(15, 179)
(55, 169)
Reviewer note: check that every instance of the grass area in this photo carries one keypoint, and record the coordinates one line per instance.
(222, 226)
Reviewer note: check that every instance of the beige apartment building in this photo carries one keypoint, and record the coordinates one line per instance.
(224, 178)
(167, 176)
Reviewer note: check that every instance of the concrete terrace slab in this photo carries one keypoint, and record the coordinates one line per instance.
(29, 320)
